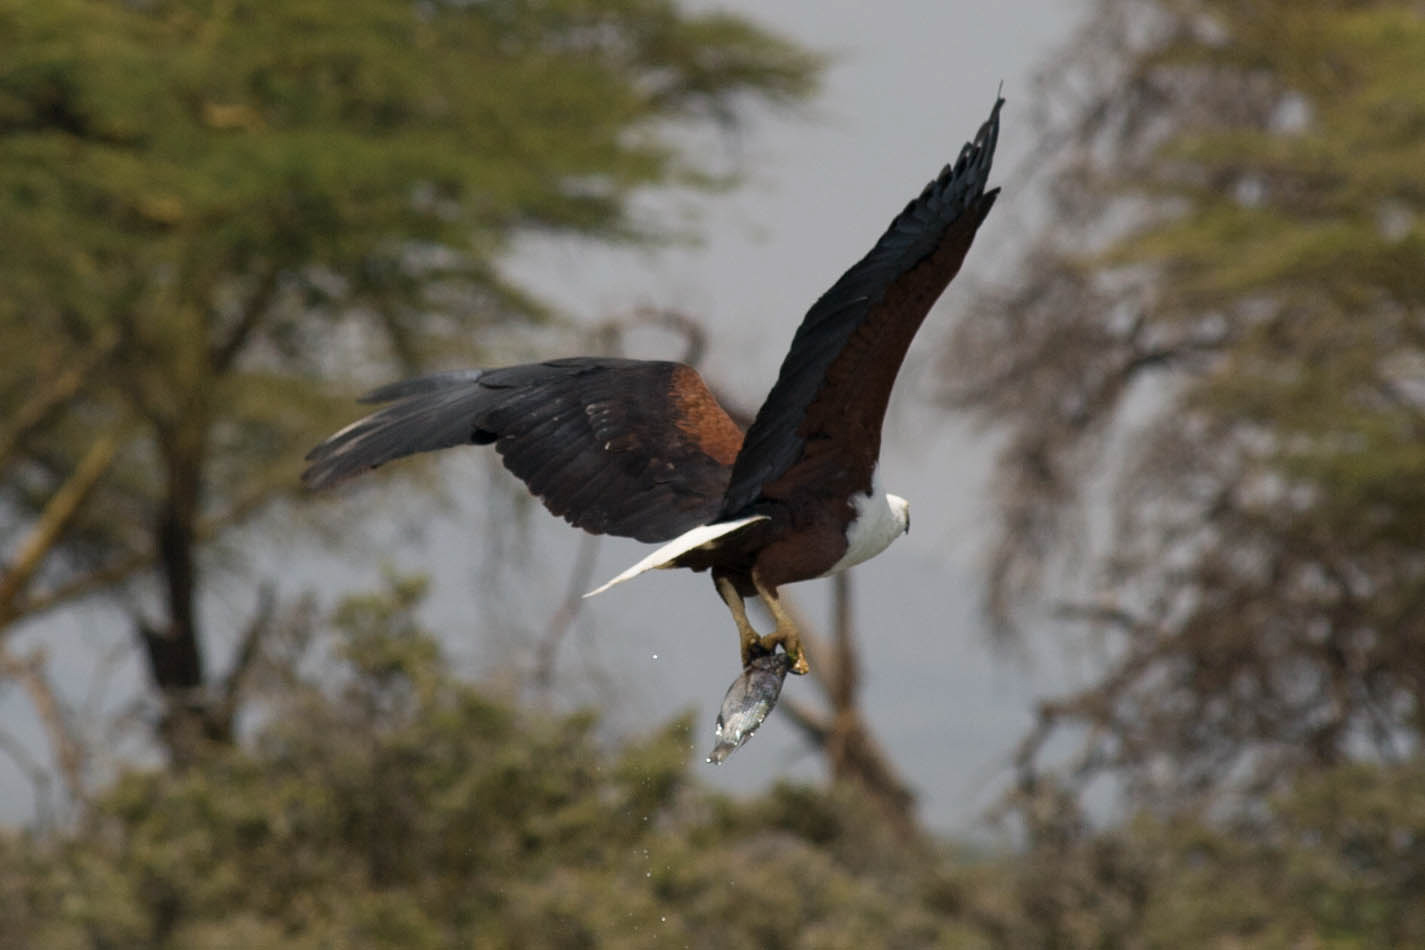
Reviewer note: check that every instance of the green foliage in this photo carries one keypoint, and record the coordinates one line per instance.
(211, 209)
(1337, 861)
(1254, 176)
(158, 152)
(392, 804)
(397, 806)
(1238, 254)
(221, 183)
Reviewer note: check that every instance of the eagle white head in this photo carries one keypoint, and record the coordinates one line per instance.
(880, 519)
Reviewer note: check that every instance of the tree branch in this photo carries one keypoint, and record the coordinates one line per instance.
(814, 726)
(68, 753)
(223, 354)
(53, 392)
(125, 566)
(58, 514)
(580, 580)
(38, 776)
(852, 755)
(249, 648)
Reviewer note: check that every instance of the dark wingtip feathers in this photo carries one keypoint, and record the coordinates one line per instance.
(970, 172)
(957, 195)
(431, 412)
(423, 385)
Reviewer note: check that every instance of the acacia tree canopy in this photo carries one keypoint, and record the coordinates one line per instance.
(1238, 241)
(211, 208)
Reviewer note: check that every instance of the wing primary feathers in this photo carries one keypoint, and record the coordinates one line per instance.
(431, 417)
(421, 386)
(878, 304)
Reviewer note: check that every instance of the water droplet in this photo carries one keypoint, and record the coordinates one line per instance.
(655, 656)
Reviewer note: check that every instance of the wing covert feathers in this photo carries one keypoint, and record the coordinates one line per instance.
(634, 448)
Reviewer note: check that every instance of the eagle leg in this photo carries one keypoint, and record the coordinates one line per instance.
(751, 640)
(788, 634)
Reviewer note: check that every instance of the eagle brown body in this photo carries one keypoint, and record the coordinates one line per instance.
(642, 449)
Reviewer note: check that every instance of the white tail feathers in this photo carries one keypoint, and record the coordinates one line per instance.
(682, 544)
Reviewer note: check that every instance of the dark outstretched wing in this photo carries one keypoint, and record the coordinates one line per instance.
(820, 428)
(627, 447)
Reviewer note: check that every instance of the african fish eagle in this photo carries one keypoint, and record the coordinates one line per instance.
(642, 449)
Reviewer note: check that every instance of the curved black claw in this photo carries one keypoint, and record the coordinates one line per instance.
(748, 701)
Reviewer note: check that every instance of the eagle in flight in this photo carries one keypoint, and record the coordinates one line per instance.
(642, 449)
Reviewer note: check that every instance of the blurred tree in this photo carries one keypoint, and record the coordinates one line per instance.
(392, 804)
(838, 729)
(210, 208)
(1336, 861)
(1237, 255)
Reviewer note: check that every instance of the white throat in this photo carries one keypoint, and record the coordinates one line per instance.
(880, 519)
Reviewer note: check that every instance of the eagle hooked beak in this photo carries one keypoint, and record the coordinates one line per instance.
(900, 508)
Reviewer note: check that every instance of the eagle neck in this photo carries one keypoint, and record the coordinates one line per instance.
(875, 525)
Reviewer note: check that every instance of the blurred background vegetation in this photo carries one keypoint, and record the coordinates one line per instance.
(218, 217)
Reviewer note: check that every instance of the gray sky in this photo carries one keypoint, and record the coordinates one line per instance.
(909, 83)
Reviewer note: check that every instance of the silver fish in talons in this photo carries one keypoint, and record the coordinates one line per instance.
(748, 701)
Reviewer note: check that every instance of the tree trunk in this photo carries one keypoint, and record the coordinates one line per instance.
(193, 716)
